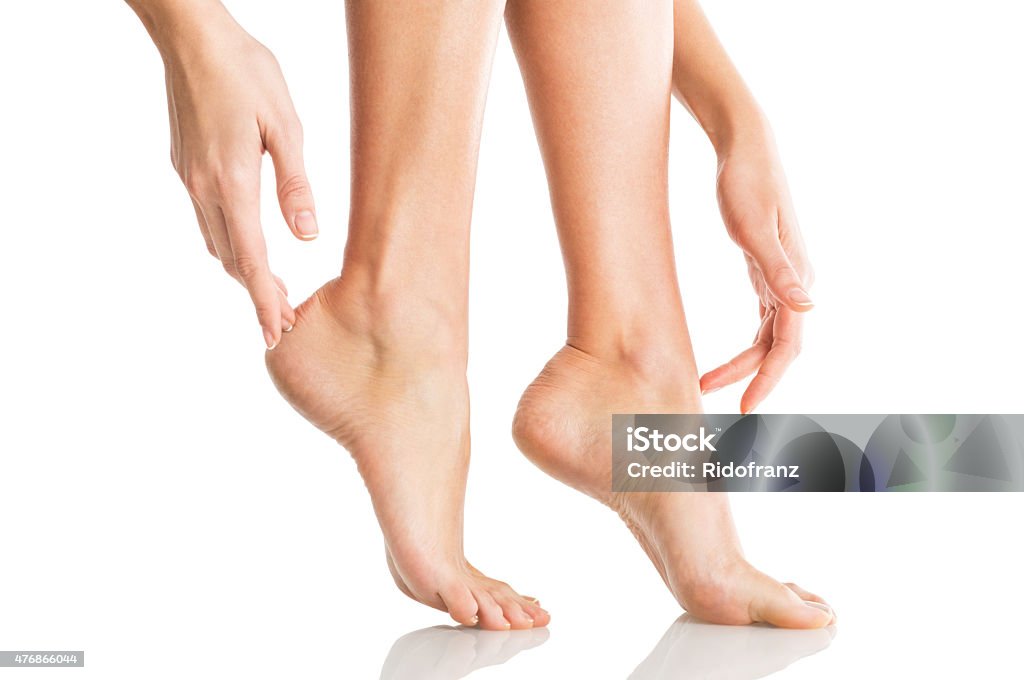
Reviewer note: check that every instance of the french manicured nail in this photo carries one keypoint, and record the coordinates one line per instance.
(531, 599)
(475, 620)
(305, 224)
(290, 327)
(800, 297)
(270, 340)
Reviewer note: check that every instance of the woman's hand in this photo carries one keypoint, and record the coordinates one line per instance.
(758, 213)
(228, 104)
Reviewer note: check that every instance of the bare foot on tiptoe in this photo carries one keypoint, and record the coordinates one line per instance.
(384, 381)
(562, 425)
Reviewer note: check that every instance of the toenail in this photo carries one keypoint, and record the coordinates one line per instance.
(823, 607)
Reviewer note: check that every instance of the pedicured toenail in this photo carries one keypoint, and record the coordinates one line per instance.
(823, 607)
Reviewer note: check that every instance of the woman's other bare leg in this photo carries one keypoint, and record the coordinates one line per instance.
(598, 75)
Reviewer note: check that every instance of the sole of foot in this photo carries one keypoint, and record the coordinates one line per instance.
(382, 382)
(562, 425)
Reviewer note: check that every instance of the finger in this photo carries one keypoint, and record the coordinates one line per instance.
(241, 217)
(787, 333)
(782, 278)
(218, 232)
(280, 284)
(204, 229)
(293, 190)
(744, 363)
(287, 313)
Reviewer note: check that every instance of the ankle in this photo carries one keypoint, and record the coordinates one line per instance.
(404, 324)
(651, 358)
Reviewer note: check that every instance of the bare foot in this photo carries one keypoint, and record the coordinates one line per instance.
(389, 384)
(563, 426)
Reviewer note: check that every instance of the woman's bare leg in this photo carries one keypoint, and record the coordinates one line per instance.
(598, 75)
(377, 358)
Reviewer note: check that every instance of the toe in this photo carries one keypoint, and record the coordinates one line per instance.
(490, 612)
(461, 604)
(783, 607)
(539, 615)
(531, 606)
(808, 596)
(513, 603)
(513, 612)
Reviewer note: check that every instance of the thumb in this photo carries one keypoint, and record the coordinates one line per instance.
(293, 190)
(782, 278)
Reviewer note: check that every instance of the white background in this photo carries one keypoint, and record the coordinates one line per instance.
(163, 509)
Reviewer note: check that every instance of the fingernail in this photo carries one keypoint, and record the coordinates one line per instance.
(289, 329)
(475, 620)
(711, 391)
(799, 296)
(270, 340)
(531, 599)
(305, 224)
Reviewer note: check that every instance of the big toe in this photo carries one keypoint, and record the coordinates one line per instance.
(781, 606)
(461, 604)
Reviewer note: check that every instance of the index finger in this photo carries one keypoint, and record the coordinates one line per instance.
(787, 336)
(744, 363)
(241, 216)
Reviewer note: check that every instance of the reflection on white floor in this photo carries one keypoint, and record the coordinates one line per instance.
(691, 648)
(449, 653)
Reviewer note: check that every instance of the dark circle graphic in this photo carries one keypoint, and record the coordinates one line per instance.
(817, 462)
(739, 445)
(789, 443)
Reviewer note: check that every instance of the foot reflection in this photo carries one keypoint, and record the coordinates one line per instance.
(691, 648)
(448, 653)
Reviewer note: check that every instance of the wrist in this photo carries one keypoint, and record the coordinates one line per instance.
(178, 27)
(738, 127)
